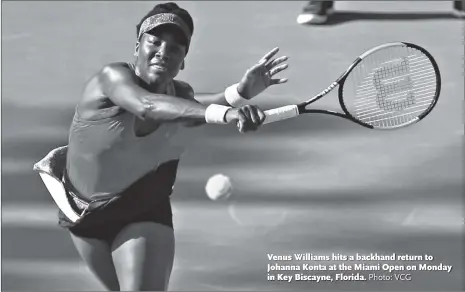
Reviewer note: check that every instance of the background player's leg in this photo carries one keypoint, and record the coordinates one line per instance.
(143, 254)
(97, 255)
(459, 8)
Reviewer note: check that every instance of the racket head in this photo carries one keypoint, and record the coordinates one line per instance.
(390, 86)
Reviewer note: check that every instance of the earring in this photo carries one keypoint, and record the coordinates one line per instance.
(136, 50)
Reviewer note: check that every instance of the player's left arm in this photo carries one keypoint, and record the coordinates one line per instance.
(184, 90)
(255, 80)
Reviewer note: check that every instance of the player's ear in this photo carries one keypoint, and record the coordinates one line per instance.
(183, 65)
(136, 49)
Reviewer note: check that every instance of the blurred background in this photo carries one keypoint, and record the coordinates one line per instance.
(315, 184)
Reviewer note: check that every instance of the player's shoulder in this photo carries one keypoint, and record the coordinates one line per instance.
(183, 89)
(118, 66)
(107, 76)
(95, 100)
(116, 71)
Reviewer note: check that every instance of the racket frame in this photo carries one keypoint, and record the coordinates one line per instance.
(340, 81)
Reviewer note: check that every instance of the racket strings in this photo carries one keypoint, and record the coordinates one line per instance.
(391, 87)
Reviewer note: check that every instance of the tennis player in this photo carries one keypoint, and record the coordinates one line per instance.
(114, 179)
(319, 12)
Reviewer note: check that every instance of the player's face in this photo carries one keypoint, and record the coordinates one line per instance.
(160, 56)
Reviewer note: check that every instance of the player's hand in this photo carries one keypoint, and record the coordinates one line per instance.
(262, 75)
(248, 117)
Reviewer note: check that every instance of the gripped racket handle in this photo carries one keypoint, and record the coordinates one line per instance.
(281, 113)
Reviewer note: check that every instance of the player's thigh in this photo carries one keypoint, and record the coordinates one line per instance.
(143, 254)
(96, 254)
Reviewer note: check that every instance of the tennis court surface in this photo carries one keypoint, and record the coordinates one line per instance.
(314, 184)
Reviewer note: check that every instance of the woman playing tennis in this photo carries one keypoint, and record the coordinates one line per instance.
(118, 170)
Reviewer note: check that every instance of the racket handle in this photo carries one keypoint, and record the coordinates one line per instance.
(281, 113)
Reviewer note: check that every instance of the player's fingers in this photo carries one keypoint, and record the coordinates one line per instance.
(252, 114)
(261, 116)
(276, 62)
(278, 69)
(251, 122)
(240, 125)
(242, 120)
(245, 111)
(279, 81)
(269, 55)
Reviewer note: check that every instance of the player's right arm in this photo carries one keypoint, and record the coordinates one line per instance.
(117, 83)
(120, 85)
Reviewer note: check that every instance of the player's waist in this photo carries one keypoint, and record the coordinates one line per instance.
(91, 187)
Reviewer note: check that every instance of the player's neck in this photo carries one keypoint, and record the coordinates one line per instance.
(155, 86)
(158, 87)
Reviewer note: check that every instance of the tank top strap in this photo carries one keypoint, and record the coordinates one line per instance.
(132, 66)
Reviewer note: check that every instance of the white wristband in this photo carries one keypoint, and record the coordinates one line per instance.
(215, 114)
(233, 97)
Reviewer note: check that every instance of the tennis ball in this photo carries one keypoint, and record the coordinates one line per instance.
(218, 187)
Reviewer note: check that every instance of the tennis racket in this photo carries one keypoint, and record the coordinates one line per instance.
(388, 87)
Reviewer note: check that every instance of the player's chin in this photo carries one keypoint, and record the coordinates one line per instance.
(162, 73)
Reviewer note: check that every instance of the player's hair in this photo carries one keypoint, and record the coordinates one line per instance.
(169, 7)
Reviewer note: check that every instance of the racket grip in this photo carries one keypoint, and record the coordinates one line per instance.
(281, 113)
